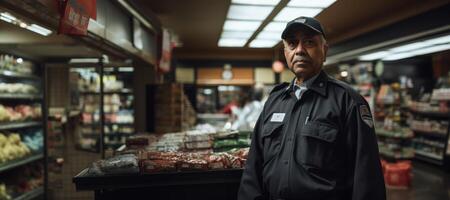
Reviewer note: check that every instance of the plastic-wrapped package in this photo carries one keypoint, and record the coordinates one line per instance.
(152, 166)
(121, 164)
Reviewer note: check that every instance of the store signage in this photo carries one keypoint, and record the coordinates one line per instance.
(164, 63)
(75, 15)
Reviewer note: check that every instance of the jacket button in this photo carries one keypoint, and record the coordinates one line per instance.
(286, 162)
(320, 84)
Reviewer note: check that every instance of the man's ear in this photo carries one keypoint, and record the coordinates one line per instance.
(325, 49)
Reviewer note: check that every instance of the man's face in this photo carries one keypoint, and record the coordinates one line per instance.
(305, 53)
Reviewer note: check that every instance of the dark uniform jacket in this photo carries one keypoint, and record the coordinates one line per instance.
(319, 147)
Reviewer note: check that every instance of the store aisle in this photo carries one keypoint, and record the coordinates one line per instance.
(429, 183)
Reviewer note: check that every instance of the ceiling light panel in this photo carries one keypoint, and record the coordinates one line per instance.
(257, 2)
(237, 34)
(398, 56)
(374, 56)
(269, 35)
(229, 42)
(249, 12)
(311, 3)
(290, 13)
(431, 49)
(438, 40)
(409, 47)
(262, 43)
(275, 27)
(235, 25)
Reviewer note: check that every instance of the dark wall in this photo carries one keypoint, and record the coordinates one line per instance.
(419, 69)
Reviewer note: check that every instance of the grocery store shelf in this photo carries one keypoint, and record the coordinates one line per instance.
(392, 134)
(117, 92)
(20, 96)
(428, 157)
(20, 162)
(11, 74)
(33, 194)
(390, 155)
(85, 181)
(107, 124)
(432, 134)
(18, 125)
(114, 134)
(431, 114)
(432, 145)
(91, 150)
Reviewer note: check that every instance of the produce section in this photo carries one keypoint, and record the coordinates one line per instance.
(21, 133)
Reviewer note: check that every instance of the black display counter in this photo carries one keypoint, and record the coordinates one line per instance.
(198, 185)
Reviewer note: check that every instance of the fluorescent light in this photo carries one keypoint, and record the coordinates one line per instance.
(439, 40)
(432, 49)
(84, 60)
(108, 69)
(126, 69)
(269, 35)
(237, 34)
(257, 2)
(8, 16)
(23, 25)
(275, 27)
(290, 13)
(227, 42)
(234, 25)
(261, 43)
(19, 60)
(311, 3)
(398, 56)
(6, 19)
(247, 12)
(374, 56)
(39, 29)
(344, 73)
(409, 47)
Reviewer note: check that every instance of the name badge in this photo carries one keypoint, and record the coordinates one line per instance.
(277, 117)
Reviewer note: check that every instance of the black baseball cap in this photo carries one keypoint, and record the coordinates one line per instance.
(302, 22)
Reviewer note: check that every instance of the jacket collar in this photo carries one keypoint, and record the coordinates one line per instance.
(319, 84)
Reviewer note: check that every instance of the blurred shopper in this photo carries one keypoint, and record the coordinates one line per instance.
(315, 137)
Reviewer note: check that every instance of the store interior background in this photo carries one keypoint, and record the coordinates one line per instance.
(165, 70)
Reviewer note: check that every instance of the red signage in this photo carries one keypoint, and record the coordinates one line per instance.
(75, 16)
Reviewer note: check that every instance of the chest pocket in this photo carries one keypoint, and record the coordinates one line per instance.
(272, 136)
(316, 144)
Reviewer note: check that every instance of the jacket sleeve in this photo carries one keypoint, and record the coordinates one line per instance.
(251, 182)
(367, 177)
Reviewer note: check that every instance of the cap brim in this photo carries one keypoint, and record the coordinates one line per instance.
(296, 26)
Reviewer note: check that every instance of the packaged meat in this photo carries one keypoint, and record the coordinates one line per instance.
(193, 164)
(198, 145)
(152, 166)
(121, 164)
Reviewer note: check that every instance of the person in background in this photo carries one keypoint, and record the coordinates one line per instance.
(315, 138)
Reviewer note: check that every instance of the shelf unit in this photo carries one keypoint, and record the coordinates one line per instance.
(426, 141)
(20, 162)
(26, 125)
(96, 121)
(394, 143)
(33, 194)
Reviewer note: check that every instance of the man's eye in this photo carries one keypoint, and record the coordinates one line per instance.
(292, 44)
(308, 42)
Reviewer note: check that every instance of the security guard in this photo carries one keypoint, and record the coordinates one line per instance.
(315, 138)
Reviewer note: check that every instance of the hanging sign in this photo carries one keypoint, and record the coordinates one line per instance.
(75, 15)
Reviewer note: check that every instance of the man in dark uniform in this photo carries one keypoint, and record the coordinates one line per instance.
(315, 138)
